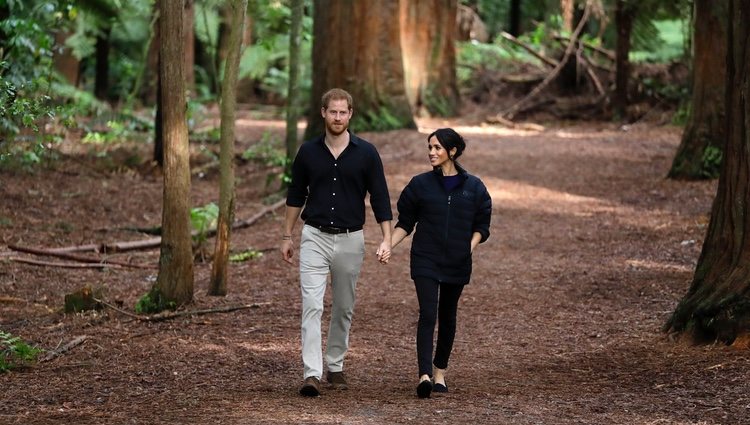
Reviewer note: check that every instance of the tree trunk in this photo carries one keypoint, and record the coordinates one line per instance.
(220, 269)
(222, 36)
(158, 127)
(699, 154)
(189, 33)
(148, 91)
(175, 280)
(292, 111)
(624, 17)
(716, 307)
(65, 63)
(357, 47)
(571, 77)
(428, 35)
(514, 18)
(566, 7)
(101, 80)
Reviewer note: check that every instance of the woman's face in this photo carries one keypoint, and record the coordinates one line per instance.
(437, 154)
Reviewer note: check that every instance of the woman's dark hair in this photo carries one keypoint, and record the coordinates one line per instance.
(449, 139)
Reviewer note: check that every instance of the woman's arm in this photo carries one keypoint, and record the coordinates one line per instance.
(397, 236)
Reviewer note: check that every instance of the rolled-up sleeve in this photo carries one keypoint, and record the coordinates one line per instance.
(297, 190)
(380, 200)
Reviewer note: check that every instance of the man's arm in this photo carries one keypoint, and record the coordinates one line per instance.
(287, 244)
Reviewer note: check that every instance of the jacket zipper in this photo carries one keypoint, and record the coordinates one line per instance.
(445, 232)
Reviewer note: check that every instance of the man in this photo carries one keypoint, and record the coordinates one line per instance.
(331, 176)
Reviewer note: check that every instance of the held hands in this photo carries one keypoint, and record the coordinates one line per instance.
(287, 250)
(384, 252)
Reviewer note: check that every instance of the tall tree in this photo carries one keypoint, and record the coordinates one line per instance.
(698, 156)
(189, 34)
(292, 113)
(428, 36)
(65, 61)
(101, 80)
(174, 283)
(220, 269)
(716, 305)
(357, 47)
(514, 18)
(624, 18)
(567, 7)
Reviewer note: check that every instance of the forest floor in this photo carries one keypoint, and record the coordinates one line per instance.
(591, 250)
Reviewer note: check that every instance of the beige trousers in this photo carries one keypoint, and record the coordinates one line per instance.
(340, 256)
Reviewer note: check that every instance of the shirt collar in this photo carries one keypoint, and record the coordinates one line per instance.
(353, 139)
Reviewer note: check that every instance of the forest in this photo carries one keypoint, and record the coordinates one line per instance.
(146, 147)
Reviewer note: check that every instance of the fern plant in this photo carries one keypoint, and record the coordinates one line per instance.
(14, 352)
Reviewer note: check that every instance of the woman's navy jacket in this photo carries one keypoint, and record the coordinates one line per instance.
(445, 222)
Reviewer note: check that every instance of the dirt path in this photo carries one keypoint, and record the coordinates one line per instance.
(591, 248)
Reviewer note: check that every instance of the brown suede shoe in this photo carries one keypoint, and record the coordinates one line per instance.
(311, 387)
(337, 380)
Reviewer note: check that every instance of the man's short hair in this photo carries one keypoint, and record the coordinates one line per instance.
(336, 94)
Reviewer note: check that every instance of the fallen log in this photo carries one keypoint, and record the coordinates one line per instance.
(64, 349)
(63, 265)
(78, 258)
(174, 314)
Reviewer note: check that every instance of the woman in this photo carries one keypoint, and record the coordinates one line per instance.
(451, 210)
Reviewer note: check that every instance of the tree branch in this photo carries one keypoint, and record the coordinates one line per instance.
(547, 61)
(64, 349)
(553, 74)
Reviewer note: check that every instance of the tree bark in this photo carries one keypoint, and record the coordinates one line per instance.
(428, 36)
(174, 282)
(220, 269)
(700, 150)
(566, 7)
(292, 111)
(159, 127)
(716, 306)
(357, 47)
(624, 17)
(151, 72)
(514, 18)
(65, 62)
(101, 80)
(222, 36)
(189, 33)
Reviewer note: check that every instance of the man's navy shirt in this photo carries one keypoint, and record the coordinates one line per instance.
(332, 190)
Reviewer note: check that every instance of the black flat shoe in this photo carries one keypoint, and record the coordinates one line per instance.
(440, 388)
(424, 389)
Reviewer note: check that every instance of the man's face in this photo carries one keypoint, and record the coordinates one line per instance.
(337, 116)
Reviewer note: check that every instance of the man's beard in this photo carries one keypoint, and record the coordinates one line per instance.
(334, 132)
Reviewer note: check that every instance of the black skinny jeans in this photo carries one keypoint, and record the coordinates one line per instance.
(437, 303)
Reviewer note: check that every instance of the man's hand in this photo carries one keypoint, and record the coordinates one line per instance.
(384, 252)
(287, 250)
